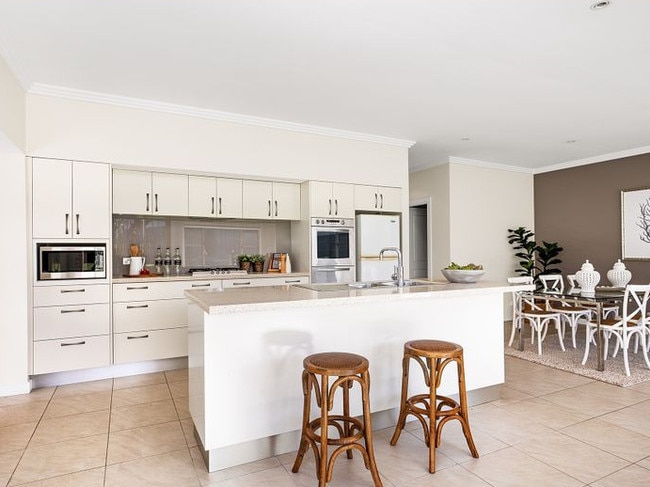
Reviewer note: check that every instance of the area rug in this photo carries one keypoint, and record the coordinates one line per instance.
(553, 356)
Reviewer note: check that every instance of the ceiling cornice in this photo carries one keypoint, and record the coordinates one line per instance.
(595, 159)
(123, 101)
(487, 164)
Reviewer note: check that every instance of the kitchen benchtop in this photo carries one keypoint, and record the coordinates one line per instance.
(220, 277)
(301, 296)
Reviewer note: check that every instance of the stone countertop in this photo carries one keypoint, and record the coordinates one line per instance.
(301, 296)
(221, 277)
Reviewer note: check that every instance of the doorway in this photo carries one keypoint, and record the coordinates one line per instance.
(419, 240)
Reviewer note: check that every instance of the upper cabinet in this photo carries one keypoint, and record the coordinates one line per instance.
(215, 197)
(331, 199)
(70, 199)
(149, 193)
(271, 200)
(377, 198)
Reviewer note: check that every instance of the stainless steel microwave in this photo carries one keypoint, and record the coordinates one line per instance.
(70, 261)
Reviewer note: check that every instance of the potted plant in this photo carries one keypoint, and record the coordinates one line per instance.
(257, 260)
(536, 260)
(244, 262)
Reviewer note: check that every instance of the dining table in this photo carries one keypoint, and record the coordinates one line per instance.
(576, 297)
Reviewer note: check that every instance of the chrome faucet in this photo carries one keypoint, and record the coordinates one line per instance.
(399, 268)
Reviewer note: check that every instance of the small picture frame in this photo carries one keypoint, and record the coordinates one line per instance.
(274, 264)
(635, 224)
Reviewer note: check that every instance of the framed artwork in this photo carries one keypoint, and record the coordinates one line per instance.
(635, 223)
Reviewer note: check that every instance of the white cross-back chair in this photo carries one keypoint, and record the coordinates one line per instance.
(572, 315)
(526, 310)
(633, 324)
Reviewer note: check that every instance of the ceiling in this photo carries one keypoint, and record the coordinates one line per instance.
(506, 82)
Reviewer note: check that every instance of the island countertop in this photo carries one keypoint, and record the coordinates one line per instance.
(301, 296)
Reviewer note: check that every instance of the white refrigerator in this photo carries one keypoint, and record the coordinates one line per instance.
(373, 233)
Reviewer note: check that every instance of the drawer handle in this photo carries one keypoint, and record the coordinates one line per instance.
(137, 337)
(82, 310)
(291, 281)
(63, 291)
(136, 306)
(135, 288)
(73, 344)
(247, 283)
(201, 285)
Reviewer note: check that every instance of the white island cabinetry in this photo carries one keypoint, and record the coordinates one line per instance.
(275, 328)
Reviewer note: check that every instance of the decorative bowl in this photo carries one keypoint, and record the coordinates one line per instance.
(462, 276)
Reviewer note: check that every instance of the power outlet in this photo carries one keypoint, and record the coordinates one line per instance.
(126, 260)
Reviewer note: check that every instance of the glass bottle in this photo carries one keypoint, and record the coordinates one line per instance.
(167, 261)
(177, 261)
(158, 261)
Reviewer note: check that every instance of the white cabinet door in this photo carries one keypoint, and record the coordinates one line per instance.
(377, 198)
(91, 200)
(286, 201)
(51, 198)
(257, 199)
(229, 198)
(149, 345)
(132, 192)
(202, 196)
(169, 194)
(71, 354)
(320, 199)
(343, 197)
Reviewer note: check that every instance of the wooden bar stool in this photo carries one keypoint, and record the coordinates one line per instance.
(433, 410)
(348, 368)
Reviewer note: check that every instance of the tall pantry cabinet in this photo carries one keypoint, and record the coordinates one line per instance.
(70, 321)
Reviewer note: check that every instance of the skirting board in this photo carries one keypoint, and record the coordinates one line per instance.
(85, 375)
(220, 458)
(15, 389)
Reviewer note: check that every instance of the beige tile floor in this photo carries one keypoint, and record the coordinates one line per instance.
(550, 428)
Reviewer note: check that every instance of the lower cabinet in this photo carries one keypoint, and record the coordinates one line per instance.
(264, 281)
(149, 345)
(71, 328)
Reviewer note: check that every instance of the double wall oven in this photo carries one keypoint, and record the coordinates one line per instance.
(332, 250)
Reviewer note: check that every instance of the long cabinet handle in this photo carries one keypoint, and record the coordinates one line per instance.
(64, 311)
(67, 223)
(156, 198)
(136, 288)
(137, 337)
(331, 269)
(330, 210)
(136, 306)
(220, 205)
(200, 285)
(291, 281)
(77, 218)
(247, 283)
(276, 207)
(63, 291)
(212, 212)
(376, 200)
(382, 200)
(147, 208)
(269, 207)
(336, 207)
(83, 342)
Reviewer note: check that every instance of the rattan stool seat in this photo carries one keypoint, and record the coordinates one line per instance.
(347, 369)
(433, 410)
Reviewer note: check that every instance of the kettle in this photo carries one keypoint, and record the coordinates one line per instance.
(137, 263)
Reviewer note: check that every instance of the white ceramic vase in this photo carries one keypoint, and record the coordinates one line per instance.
(587, 277)
(618, 275)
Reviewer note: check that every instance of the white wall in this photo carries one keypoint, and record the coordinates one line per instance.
(434, 183)
(484, 203)
(13, 285)
(81, 130)
(12, 111)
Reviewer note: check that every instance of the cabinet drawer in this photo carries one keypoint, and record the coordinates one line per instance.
(144, 291)
(149, 345)
(71, 321)
(71, 354)
(149, 315)
(65, 295)
(264, 281)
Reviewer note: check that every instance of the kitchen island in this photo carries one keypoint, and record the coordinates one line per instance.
(246, 349)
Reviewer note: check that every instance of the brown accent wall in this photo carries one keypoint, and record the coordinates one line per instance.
(580, 208)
